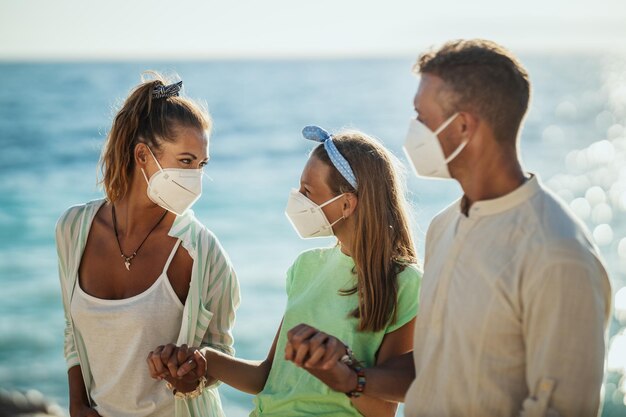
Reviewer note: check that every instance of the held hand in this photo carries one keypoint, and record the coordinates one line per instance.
(311, 348)
(195, 364)
(165, 362)
(339, 377)
(319, 354)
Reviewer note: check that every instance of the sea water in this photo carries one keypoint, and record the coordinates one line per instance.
(55, 116)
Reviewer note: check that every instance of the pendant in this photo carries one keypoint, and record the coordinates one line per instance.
(127, 260)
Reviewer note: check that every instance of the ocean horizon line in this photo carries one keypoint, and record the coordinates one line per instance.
(283, 57)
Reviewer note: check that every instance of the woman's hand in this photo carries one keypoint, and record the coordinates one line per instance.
(320, 354)
(165, 362)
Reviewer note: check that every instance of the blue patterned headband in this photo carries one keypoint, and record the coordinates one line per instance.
(165, 91)
(318, 134)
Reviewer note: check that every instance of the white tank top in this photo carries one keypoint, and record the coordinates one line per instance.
(118, 336)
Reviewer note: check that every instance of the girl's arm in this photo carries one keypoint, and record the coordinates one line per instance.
(394, 344)
(245, 375)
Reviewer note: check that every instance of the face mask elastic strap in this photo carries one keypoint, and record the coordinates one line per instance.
(337, 221)
(330, 201)
(155, 160)
(457, 151)
(145, 176)
(446, 123)
(205, 175)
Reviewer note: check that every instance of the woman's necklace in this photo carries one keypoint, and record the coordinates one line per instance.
(127, 259)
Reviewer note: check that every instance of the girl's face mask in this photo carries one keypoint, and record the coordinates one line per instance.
(307, 218)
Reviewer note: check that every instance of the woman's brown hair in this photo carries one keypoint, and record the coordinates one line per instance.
(144, 119)
(383, 243)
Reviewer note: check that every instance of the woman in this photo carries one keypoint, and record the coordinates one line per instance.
(137, 269)
(363, 290)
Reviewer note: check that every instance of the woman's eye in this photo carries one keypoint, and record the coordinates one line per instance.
(186, 161)
(202, 164)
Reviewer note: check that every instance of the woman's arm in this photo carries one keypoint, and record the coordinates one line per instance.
(79, 401)
(65, 241)
(221, 299)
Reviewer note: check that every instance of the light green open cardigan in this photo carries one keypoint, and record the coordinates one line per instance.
(210, 306)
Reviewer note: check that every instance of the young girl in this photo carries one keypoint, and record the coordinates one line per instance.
(138, 270)
(364, 290)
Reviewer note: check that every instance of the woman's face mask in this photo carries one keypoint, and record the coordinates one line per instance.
(307, 218)
(174, 189)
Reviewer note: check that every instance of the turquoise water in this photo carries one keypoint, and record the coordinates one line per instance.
(54, 117)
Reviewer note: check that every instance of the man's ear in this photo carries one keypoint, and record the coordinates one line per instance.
(349, 202)
(469, 124)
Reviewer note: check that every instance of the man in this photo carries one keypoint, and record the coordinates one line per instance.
(515, 298)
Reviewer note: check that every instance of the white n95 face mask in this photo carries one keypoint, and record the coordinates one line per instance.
(174, 189)
(424, 151)
(307, 218)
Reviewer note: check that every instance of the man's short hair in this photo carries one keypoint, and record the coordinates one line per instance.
(481, 77)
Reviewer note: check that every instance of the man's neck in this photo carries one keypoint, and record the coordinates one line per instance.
(494, 175)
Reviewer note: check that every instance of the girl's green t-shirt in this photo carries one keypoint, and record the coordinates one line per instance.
(313, 284)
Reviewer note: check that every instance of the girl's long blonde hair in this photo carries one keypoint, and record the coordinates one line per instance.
(383, 244)
(144, 119)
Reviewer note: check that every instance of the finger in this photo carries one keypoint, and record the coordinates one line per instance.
(201, 364)
(294, 330)
(153, 372)
(334, 351)
(317, 340)
(289, 351)
(185, 368)
(302, 335)
(315, 356)
(172, 364)
(316, 348)
(157, 362)
(182, 353)
(301, 353)
(167, 351)
(191, 375)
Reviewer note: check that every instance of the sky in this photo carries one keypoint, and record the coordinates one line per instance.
(194, 29)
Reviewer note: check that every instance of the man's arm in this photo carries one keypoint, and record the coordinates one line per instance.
(565, 307)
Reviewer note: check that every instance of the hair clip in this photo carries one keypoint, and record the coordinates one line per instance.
(165, 91)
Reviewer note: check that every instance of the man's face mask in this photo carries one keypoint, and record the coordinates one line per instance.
(424, 151)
